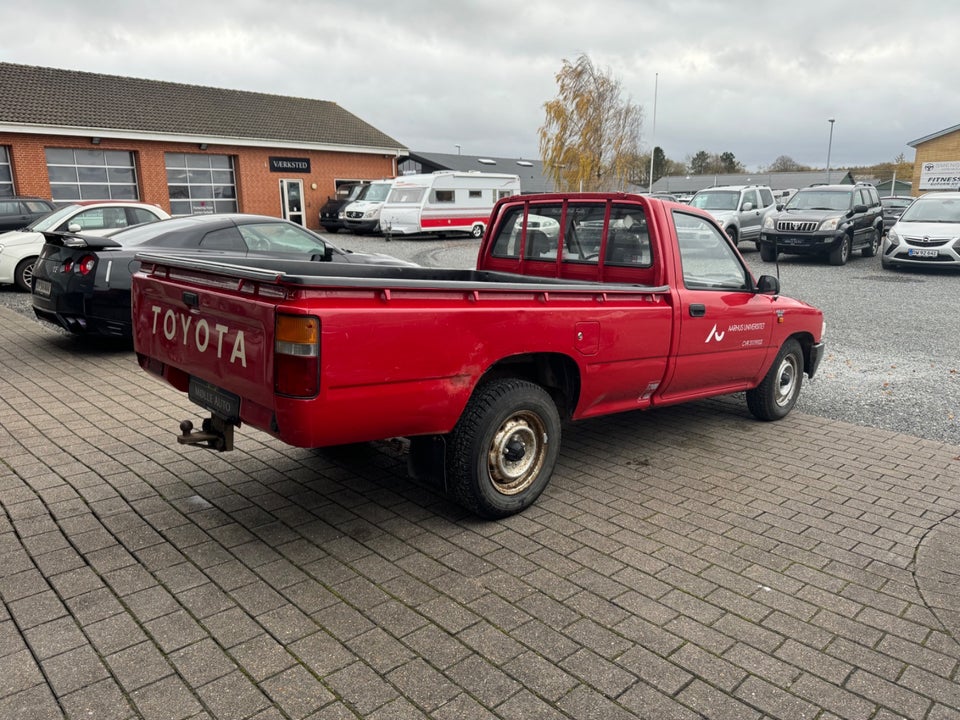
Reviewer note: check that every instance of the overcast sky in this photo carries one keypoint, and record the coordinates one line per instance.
(758, 79)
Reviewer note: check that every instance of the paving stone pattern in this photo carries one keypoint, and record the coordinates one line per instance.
(684, 563)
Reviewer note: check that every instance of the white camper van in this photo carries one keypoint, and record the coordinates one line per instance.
(446, 201)
(363, 214)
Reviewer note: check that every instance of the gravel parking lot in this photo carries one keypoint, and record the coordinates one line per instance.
(892, 360)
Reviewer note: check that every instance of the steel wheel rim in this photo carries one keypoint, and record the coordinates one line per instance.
(523, 432)
(787, 377)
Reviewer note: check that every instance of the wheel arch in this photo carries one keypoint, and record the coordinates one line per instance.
(556, 372)
(806, 345)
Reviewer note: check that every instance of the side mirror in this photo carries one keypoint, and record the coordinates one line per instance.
(768, 285)
(747, 206)
(858, 209)
(74, 227)
(779, 207)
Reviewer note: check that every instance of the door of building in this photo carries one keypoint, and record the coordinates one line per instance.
(291, 201)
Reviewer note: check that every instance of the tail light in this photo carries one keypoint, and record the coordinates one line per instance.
(296, 361)
(86, 264)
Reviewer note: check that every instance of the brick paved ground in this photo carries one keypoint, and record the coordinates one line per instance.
(684, 563)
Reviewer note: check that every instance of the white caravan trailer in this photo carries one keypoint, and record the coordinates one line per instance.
(446, 201)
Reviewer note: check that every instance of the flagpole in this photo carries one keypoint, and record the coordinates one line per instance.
(653, 133)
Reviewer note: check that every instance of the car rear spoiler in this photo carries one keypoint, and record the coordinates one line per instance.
(78, 240)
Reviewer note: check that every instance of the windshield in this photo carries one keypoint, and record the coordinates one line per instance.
(820, 200)
(716, 200)
(48, 222)
(376, 192)
(933, 209)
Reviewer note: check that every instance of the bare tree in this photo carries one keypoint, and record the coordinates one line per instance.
(784, 163)
(590, 138)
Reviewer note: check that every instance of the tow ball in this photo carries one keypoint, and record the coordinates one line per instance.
(216, 433)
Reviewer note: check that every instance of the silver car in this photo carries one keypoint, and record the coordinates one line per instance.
(927, 233)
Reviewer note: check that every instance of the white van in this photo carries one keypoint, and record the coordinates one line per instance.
(363, 214)
(446, 201)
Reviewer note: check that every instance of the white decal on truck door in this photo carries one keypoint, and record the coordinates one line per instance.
(718, 336)
(176, 324)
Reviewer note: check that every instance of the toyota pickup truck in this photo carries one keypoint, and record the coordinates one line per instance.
(580, 305)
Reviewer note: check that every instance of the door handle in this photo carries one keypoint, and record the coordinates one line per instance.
(698, 310)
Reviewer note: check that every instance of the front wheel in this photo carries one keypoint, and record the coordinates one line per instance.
(23, 275)
(732, 234)
(777, 393)
(476, 231)
(840, 254)
(767, 253)
(503, 449)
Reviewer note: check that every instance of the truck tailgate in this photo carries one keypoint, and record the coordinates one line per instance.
(209, 333)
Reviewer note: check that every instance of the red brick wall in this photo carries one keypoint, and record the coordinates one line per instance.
(258, 189)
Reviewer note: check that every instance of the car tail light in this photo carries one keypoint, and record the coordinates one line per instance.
(296, 361)
(83, 266)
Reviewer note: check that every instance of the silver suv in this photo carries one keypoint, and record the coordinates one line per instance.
(740, 209)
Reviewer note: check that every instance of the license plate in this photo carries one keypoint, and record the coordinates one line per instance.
(42, 287)
(215, 399)
(923, 252)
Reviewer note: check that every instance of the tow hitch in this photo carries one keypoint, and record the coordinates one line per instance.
(215, 432)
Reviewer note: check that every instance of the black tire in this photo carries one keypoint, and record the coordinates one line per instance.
(840, 254)
(476, 231)
(503, 449)
(732, 234)
(777, 393)
(23, 275)
(767, 253)
(871, 249)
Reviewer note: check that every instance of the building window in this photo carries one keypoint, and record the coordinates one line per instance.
(91, 175)
(201, 184)
(6, 176)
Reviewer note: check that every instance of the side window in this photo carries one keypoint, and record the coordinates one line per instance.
(476, 194)
(628, 242)
(88, 220)
(9, 207)
(137, 216)
(766, 197)
(750, 196)
(507, 244)
(709, 263)
(443, 196)
(280, 237)
(225, 239)
(863, 197)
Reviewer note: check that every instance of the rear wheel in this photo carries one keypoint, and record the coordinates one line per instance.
(503, 449)
(776, 395)
(840, 254)
(476, 231)
(23, 275)
(871, 249)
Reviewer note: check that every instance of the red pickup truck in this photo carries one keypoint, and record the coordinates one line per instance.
(580, 305)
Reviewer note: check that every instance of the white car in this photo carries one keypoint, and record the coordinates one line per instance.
(927, 233)
(19, 249)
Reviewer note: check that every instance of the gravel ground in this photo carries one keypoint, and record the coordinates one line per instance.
(893, 356)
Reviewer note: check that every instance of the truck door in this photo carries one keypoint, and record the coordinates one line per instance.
(725, 327)
(291, 201)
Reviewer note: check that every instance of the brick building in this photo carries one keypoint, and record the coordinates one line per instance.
(936, 165)
(70, 135)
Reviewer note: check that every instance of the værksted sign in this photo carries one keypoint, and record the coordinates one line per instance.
(282, 164)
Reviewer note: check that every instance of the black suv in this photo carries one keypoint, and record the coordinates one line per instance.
(825, 220)
(18, 212)
(330, 214)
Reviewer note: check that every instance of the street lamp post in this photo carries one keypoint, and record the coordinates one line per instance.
(829, 147)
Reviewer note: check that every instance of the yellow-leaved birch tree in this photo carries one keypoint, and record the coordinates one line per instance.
(591, 135)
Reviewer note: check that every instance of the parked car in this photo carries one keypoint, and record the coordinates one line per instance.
(893, 206)
(927, 233)
(82, 282)
(740, 209)
(825, 220)
(331, 214)
(19, 248)
(18, 212)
